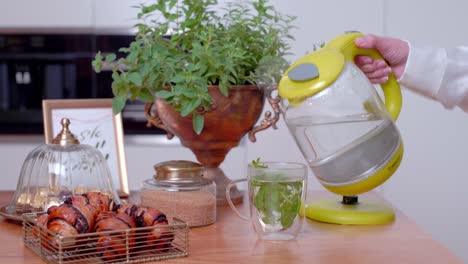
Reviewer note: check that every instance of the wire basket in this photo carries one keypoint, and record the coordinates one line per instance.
(135, 245)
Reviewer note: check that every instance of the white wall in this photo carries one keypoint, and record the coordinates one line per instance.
(430, 184)
(46, 13)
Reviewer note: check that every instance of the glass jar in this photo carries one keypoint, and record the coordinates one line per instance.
(179, 190)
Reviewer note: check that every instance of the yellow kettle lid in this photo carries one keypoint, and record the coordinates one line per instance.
(311, 74)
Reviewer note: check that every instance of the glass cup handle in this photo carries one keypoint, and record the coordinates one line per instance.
(228, 198)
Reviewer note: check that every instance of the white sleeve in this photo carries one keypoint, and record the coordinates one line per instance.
(441, 74)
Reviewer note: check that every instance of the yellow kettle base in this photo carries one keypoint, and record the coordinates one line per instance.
(362, 213)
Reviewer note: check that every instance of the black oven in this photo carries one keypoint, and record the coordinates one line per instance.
(56, 66)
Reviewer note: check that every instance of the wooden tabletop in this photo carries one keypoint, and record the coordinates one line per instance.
(232, 240)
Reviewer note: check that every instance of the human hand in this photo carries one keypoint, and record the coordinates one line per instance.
(394, 52)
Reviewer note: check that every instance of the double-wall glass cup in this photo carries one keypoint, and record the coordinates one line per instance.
(276, 192)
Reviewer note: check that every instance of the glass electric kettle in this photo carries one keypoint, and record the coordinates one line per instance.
(343, 129)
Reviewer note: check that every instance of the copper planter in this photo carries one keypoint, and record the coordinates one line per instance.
(225, 124)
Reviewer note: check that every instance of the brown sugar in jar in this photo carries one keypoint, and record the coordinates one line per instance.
(179, 190)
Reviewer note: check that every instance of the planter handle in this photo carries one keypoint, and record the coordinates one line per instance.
(154, 120)
(268, 121)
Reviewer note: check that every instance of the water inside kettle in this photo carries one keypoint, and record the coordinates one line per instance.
(345, 151)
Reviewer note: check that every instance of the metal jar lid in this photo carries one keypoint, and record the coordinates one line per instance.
(180, 173)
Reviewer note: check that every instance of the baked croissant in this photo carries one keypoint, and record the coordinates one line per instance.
(102, 202)
(57, 226)
(113, 245)
(67, 221)
(80, 217)
(158, 238)
(76, 215)
(41, 223)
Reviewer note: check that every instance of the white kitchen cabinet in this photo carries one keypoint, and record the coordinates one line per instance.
(52, 14)
(116, 14)
(57, 14)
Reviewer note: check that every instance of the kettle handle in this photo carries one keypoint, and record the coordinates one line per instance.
(391, 89)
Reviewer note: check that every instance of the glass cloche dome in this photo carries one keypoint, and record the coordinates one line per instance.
(53, 172)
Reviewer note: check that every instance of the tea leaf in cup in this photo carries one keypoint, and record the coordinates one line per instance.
(277, 200)
(257, 164)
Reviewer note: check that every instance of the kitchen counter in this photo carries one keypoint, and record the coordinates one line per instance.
(232, 240)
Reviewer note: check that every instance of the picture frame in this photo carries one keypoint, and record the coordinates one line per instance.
(93, 122)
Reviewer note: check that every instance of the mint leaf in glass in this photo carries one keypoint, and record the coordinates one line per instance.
(277, 199)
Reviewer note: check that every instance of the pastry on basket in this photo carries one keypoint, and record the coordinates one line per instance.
(81, 217)
(158, 237)
(102, 202)
(67, 221)
(40, 227)
(112, 245)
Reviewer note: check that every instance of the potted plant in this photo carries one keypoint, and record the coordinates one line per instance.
(194, 59)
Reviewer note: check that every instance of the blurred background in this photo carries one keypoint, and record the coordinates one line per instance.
(430, 185)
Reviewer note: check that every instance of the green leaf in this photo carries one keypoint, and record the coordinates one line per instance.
(290, 206)
(257, 164)
(124, 50)
(224, 89)
(178, 89)
(118, 104)
(118, 89)
(111, 57)
(132, 57)
(178, 79)
(198, 122)
(146, 96)
(189, 93)
(146, 69)
(164, 94)
(277, 198)
(190, 106)
(97, 62)
(135, 78)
